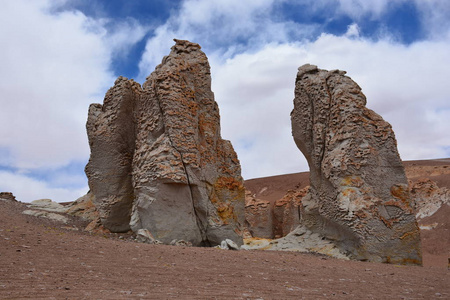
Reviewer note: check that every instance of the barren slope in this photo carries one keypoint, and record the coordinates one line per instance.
(42, 259)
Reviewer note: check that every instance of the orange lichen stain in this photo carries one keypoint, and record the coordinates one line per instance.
(400, 204)
(400, 192)
(348, 191)
(410, 261)
(360, 214)
(354, 181)
(226, 213)
(402, 199)
(410, 234)
(388, 223)
(403, 261)
(228, 183)
(255, 241)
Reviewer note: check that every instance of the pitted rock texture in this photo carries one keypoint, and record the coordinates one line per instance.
(359, 195)
(158, 161)
(428, 197)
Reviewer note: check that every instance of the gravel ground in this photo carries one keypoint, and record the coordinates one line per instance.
(41, 259)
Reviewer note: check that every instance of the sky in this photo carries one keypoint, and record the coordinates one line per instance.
(58, 56)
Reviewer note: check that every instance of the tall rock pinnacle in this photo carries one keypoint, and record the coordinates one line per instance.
(157, 159)
(359, 194)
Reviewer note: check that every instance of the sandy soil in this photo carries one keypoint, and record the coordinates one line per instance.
(41, 259)
(436, 242)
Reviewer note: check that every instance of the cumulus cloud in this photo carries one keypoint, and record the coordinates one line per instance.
(27, 189)
(226, 26)
(57, 62)
(405, 84)
(53, 66)
(254, 84)
(360, 8)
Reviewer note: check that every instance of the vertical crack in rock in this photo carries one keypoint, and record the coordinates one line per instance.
(359, 195)
(198, 221)
(158, 161)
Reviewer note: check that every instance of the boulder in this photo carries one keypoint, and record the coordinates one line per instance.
(158, 161)
(359, 194)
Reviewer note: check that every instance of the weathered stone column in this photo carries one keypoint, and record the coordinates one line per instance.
(359, 194)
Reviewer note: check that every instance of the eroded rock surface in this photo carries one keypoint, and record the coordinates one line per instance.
(157, 159)
(258, 216)
(84, 208)
(359, 195)
(7, 196)
(287, 212)
(428, 197)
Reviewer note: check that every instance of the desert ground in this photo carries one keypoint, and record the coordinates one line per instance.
(44, 259)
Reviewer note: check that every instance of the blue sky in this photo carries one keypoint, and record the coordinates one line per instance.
(62, 55)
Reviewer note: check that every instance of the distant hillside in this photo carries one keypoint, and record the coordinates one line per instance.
(275, 187)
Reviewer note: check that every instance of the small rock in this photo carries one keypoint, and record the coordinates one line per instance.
(223, 245)
(182, 243)
(145, 236)
(231, 245)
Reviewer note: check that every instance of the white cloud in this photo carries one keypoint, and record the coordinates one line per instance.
(405, 84)
(53, 65)
(360, 8)
(52, 68)
(254, 85)
(435, 17)
(121, 35)
(228, 26)
(255, 94)
(27, 189)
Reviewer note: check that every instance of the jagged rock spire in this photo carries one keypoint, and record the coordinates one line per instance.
(158, 161)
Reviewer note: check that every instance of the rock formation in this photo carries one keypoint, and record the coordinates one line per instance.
(286, 212)
(258, 216)
(273, 219)
(7, 196)
(359, 195)
(157, 159)
(84, 208)
(428, 197)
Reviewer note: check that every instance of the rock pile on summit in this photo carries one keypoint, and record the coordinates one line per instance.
(359, 195)
(157, 159)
